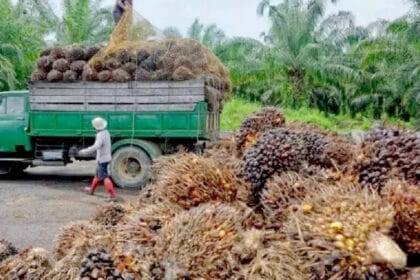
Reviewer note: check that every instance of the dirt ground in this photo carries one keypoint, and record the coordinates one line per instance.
(36, 205)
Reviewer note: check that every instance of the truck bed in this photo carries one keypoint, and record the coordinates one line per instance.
(134, 109)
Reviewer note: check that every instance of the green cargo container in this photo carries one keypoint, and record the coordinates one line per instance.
(50, 122)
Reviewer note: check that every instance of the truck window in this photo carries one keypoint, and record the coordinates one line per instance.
(2, 105)
(15, 105)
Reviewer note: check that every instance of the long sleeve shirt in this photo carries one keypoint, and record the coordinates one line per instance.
(102, 147)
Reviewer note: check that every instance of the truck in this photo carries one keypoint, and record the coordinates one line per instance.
(49, 123)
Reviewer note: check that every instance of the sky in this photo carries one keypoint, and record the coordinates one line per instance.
(239, 18)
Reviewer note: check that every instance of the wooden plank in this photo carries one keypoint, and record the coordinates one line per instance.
(133, 84)
(116, 99)
(57, 107)
(115, 92)
(114, 107)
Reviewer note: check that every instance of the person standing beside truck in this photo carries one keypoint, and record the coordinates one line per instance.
(102, 147)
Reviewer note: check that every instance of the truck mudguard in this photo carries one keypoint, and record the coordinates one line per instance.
(152, 149)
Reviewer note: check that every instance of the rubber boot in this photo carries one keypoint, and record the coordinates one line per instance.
(94, 185)
(109, 186)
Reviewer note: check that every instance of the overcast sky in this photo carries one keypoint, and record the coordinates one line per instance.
(239, 18)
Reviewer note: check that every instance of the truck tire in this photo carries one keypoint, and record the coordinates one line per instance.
(130, 167)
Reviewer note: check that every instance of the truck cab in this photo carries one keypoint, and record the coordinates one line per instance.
(15, 143)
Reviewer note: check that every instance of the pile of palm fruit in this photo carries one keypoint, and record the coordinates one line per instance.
(278, 203)
(166, 60)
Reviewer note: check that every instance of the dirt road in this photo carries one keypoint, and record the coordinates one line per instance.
(36, 205)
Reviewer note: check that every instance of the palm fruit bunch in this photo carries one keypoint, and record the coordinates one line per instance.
(389, 153)
(190, 180)
(30, 264)
(100, 264)
(6, 250)
(223, 152)
(142, 228)
(278, 261)
(341, 232)
(276, 151)
(69, 236)
(255, 125)
(198, 244)
(283, 192)
(406, 201)
(112, 214)
(73, 244)
(315, 144)
(339, 153)
(63, 63)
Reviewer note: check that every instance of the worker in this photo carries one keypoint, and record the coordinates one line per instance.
(119, 8)
(102, 146)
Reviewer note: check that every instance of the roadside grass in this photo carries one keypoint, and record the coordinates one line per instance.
(236, 110)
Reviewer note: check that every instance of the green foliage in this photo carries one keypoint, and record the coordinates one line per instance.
(211, 35)
(20, 43)
(329, 64)
(236, 110)
(83, 21)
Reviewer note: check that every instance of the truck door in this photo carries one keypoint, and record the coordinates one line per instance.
(13, 118)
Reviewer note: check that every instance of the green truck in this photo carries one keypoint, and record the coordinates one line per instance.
(48, 124)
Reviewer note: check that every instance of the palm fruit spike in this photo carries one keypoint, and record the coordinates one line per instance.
(255, 125)
(190, 180)
(335, 237)
(6, 250)
(281, 193)
(110, 215)
(74, 245)
(406, 201)
(142, 227)
(198, 244)
(70, 236)
(30, 264)
(277, 261)
(276, 151)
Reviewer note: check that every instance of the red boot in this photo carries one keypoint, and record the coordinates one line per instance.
(93, 186)
(109, 186)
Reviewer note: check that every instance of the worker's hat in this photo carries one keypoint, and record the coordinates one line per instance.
(99, 123)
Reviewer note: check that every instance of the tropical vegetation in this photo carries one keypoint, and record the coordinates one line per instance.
(306, 60)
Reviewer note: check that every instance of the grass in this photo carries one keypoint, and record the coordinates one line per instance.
(236, 110)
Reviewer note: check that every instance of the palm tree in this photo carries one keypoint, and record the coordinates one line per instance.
(211, 35)
(20, 43)
(7, 71)
(295, 47)
(83, 21)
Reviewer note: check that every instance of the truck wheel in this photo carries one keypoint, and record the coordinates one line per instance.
(130, 167)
